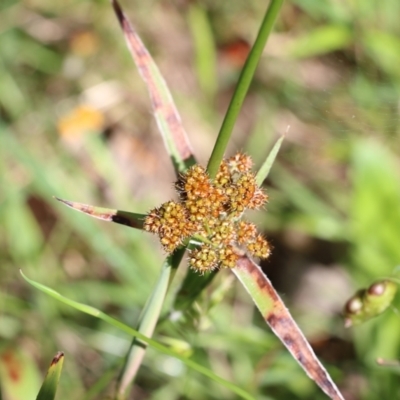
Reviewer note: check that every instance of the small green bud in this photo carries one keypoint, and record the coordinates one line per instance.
(369, 303)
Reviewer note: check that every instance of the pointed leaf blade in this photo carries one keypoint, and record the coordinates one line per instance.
(266, 167)
(126, 218)
(282, 324)
(50, 383)
(165, 112)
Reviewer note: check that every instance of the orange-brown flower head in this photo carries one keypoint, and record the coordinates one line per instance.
(203, 259)
(194, 184)
(240, 162)
(228, 256)
(171, 223)
(241, 192)
(258, 200)
(223, 177)
(211, 210)
(246, 232)
(224, 233)
(259, 248)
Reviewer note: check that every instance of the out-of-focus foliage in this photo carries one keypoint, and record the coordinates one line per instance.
(330, 71)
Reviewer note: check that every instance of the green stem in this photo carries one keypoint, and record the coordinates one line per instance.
(201, 239)
(147, 324)
(242, 87)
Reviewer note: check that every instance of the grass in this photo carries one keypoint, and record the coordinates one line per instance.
(328, 72)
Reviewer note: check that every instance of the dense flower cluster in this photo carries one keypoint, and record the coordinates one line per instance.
(210, 211)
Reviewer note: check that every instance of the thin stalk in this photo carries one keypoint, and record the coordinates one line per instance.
(147, 324)
(242, 87)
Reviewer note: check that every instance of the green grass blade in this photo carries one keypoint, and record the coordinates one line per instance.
(242, 87)
(50, 383)
(130, 331)
(147, 323)
(322, 40)
(166, 114)
(205, 52)
(266, 167)
(324, 219)
(107, 214)
(282, 323)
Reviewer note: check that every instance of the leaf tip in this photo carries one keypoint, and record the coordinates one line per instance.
(66, 202)
(118, 12)
(285, 133)
(59, 356)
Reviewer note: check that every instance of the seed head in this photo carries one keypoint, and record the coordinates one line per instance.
(171, 223)
(203, 259)
(212, 210)
(259, 248)
(240, 162)
(228, 257)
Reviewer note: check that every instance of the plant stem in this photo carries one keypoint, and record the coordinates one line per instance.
(147, 324)
(242, 87)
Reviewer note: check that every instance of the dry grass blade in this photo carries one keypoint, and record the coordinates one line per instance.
(282, 324)
(166, 114)
(106, 214)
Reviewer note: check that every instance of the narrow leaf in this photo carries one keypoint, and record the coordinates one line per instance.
(205, 52)
(322, 40)
(50, 383)
(107, 214)
(166, 114)
(147, 323)
(282, 324)
(130, 331)
(266, 167)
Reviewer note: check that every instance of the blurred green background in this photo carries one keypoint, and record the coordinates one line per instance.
(331, 70)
